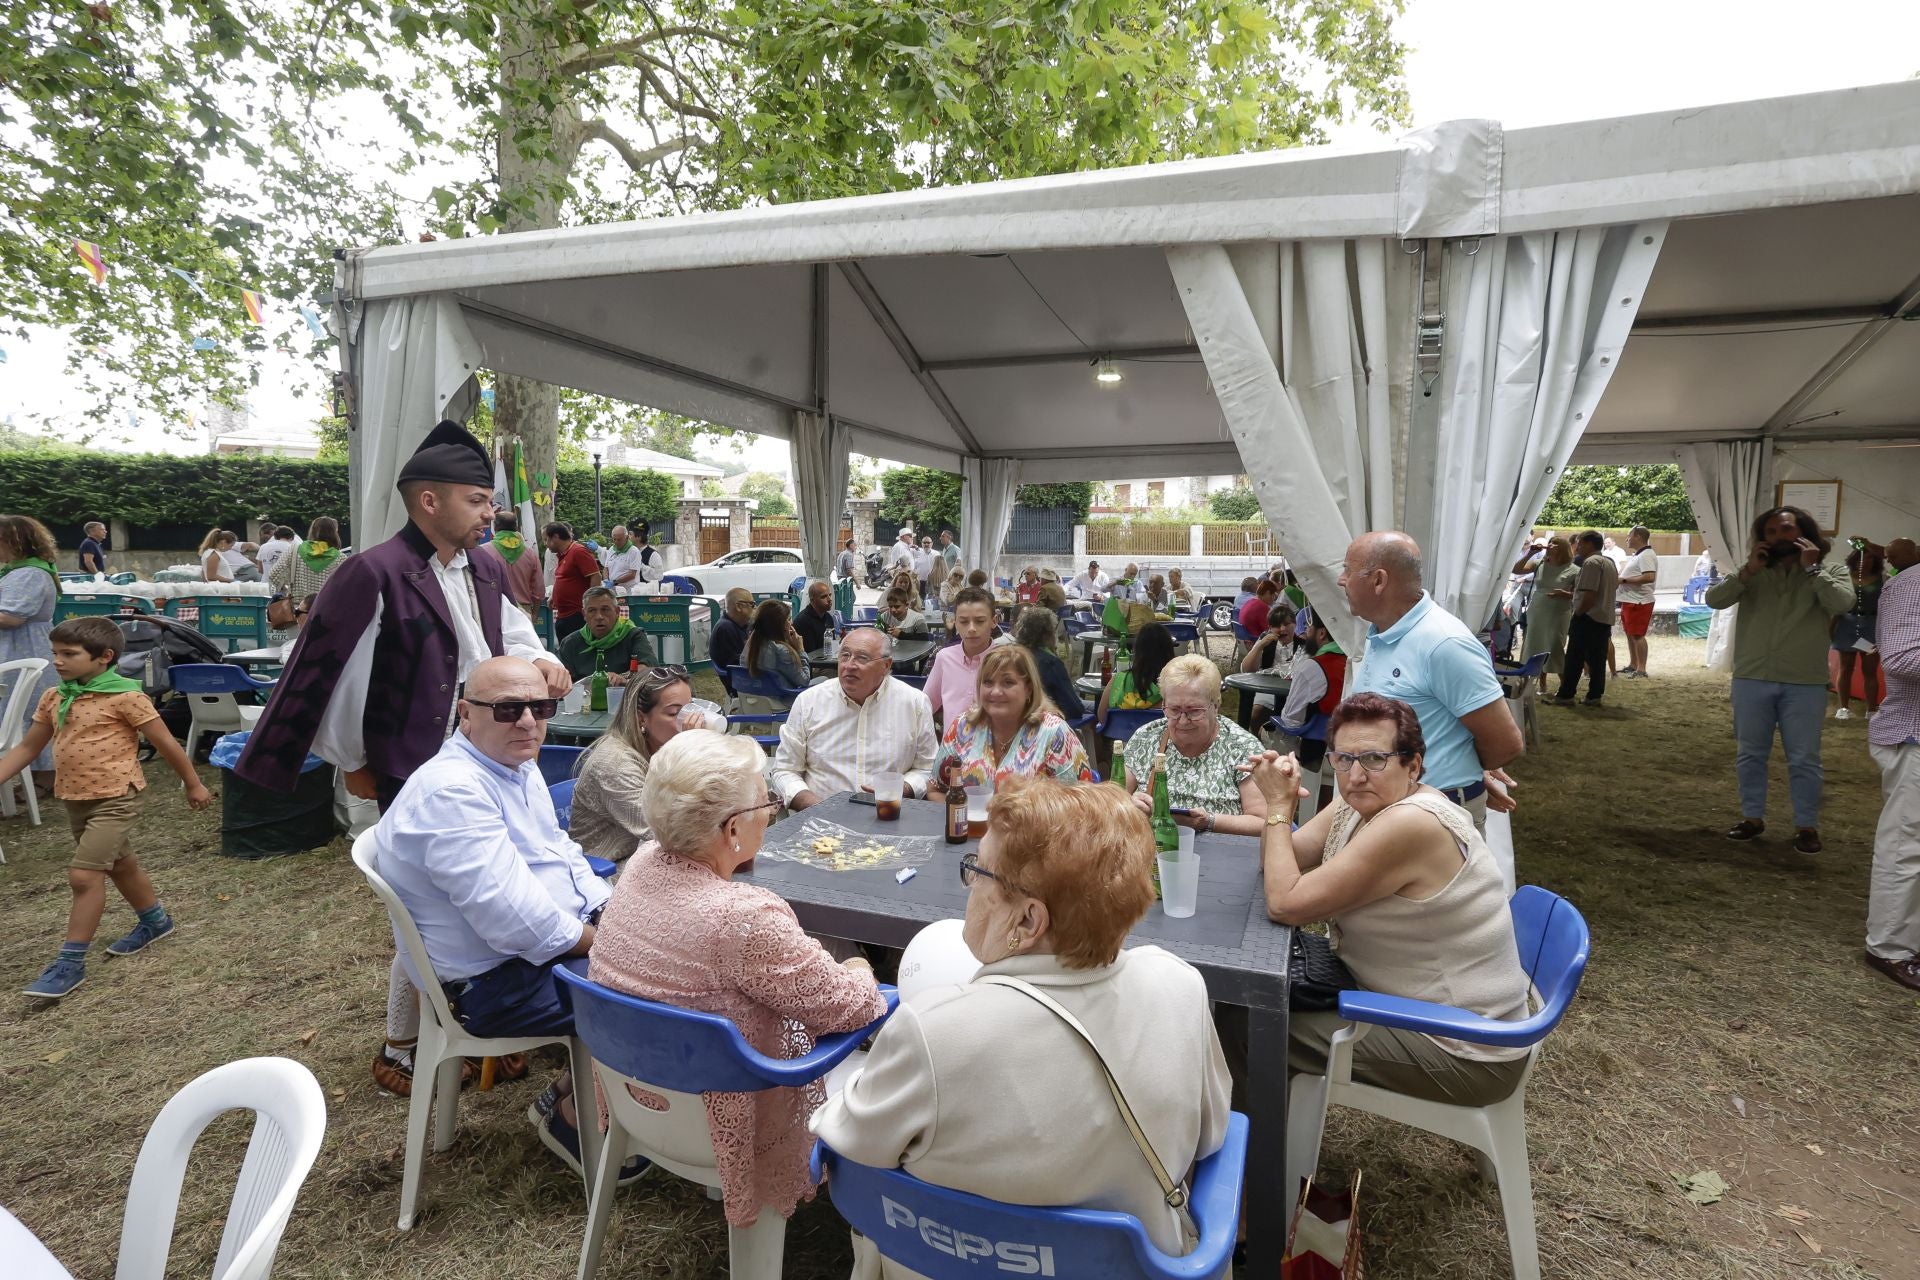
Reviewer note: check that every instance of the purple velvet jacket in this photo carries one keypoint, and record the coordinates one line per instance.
(416, 661)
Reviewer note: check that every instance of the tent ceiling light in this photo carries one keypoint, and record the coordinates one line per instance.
(1105, 372)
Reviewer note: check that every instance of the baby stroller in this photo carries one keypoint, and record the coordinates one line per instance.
(154, 642)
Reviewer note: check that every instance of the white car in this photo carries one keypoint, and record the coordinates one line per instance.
(761, 570)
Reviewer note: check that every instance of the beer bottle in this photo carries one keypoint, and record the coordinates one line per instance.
(1166, 832)
(956, 813)
(597, 691)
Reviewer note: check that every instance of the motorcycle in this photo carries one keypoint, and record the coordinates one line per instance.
(877, 575)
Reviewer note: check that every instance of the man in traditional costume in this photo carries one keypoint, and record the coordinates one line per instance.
(422, 614)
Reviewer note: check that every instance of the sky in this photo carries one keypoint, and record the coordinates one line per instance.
(1522, 62)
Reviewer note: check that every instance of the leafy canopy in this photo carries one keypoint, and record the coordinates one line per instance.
(1619, 498)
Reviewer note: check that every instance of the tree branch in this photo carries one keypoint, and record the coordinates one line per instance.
(622, 52)
(637, 160)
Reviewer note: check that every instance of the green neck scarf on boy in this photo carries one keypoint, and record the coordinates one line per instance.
(100, 682)
(30, 562)
(509, 545)
(621, 630)
(319, 556)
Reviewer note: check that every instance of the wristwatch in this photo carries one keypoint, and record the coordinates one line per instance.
(1275, 819)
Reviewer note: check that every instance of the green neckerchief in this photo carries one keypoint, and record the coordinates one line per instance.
(509, 545)
(104, 682)
(31, 562)
(318, 561)
(621, 630)
(1331, 646)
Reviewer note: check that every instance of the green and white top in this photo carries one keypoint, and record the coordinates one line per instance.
(1206, 781)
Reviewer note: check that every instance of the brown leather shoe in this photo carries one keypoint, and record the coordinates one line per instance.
(1807, 840)
(1745, 829)
(1905, 972)
(395, 1078)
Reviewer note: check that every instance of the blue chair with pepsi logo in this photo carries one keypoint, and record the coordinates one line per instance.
(676, 1055)
(951, 1235)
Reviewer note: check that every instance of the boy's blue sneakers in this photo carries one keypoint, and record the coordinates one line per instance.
(141, 935)
(58, 979)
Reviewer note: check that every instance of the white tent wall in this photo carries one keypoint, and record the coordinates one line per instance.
(1879, 482)
(986, 509)
(818, 449)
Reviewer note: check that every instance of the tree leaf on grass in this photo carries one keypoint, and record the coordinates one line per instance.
(1704, 1187)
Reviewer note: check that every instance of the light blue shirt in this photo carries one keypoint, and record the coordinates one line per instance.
(1431, 662)
(475, 851)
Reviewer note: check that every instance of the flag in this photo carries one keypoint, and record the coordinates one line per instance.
(204, 344)
(191, 282)
(486, 398)
(251, 301)
(91, 256)
(312, 318)
(502, 495)
(523, 495)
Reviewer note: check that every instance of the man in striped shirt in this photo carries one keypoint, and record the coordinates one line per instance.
(842, 732)
(1893, 735)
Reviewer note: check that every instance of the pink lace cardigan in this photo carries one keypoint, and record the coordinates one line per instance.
(676, 932)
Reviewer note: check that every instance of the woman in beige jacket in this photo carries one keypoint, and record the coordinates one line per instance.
(985, 1090)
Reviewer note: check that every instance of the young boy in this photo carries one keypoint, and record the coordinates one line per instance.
(900, 618)
(95, 720)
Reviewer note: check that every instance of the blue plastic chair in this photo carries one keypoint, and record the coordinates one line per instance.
(677, 1055)
(947, 1235)
(1523, 683)
(1183, 632)
(1696, 589)
(558, 763)
(768, 741)
(1553, 943)
(767, 688)
(865, 613)
(1122, 725)
(209, 688)
(676, 584)
(562, 793)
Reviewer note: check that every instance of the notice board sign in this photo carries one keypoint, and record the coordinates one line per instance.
(1818, 498)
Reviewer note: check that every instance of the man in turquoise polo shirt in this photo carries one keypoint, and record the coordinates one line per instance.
(1422, 655)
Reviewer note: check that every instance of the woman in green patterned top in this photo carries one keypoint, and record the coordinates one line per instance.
(1206, 754)
(302, 571)
(1138, 687)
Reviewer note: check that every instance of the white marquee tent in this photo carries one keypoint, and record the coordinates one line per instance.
(1413, 335)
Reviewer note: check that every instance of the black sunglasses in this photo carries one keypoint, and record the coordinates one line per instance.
(510, 712)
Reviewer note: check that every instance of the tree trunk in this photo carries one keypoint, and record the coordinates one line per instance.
(535, 152)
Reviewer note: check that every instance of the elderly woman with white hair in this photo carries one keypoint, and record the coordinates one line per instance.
(1206, 754)
(679, 929)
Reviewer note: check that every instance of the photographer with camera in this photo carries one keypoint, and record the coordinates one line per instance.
(1787, 597)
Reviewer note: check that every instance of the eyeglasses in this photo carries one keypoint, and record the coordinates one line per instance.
(1371, 761)
(1188, 715)
(970, 867)
(848, 658)
(771, 802)
(510, 712)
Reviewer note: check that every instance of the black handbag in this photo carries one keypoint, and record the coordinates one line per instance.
(1315, 976)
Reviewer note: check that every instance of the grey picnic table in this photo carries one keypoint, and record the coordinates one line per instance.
(1241, 954)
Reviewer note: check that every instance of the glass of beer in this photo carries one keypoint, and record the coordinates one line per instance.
(887, 789)
(979, 796)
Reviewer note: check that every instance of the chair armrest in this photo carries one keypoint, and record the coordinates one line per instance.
(602, 867)
(828, 1051)
(1380, 1009)
(1213, 1201)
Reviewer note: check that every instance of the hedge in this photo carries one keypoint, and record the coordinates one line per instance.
(149, 490)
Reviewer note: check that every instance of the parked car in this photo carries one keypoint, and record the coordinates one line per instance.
(761, 570)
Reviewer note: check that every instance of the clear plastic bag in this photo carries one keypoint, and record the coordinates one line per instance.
(815, 842)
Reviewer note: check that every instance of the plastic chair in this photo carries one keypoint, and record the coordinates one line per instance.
(909, 1222)
(766, 691)
(679, 1054)
(674, 584)
(1522, 686)
(918, 682)
(1314, 730)
(209, 688)
(22, 697)
(1696, 589)
(1553, 943)
(1122, 725)
(562, 794)
(767, 741)
(558, 763)
(291, 1119)
(443, 1043)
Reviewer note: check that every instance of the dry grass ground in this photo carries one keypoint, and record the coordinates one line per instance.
(1725, 979)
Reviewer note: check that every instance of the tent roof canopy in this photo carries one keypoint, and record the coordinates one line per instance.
(968, 320)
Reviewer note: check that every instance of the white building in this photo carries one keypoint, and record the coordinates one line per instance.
(689, 473)
(1165, 491)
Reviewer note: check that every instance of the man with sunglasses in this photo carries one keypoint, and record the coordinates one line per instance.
(499, 892)
(371, 682)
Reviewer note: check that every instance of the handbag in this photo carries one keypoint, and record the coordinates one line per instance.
(1315, 975)
(1175, 1193)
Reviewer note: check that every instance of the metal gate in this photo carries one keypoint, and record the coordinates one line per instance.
(715, 537)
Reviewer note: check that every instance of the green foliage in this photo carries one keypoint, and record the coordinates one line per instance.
(711, 488)
(1233, 504)
(1078, 496)
(1619, 497)
(333, 439)
(771, 492)
(626, 497)
(921, 497)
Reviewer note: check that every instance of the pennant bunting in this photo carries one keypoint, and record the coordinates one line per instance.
(251, 301)
(312, 318)
(90, 255)
(190, 281)
(204, 344)
(486, 397)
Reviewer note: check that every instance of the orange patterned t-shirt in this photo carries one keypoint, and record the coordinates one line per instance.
(96, 753)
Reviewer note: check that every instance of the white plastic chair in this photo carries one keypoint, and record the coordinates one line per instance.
(15, 712)
(1552, 940)
(291, 1120)
(444, 1042)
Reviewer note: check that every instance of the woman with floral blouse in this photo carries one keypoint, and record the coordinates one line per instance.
(1011, 729)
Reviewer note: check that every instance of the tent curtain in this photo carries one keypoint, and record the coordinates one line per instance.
(1309, 348)
(818, 447)
(986, 509)
(1729, 484)
(412, 361)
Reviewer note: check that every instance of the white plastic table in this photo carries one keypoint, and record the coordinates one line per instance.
(26, 1258)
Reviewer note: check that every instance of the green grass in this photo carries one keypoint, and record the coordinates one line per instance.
(1719, 971)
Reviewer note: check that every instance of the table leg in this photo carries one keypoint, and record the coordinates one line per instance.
(1269, 1201)
(1244, 712)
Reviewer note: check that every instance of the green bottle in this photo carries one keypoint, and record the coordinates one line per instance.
(1166, 832)
(597, 691)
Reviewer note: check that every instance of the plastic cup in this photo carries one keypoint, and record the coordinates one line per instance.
(979, 799)
(710, 714)
(887, 791)
(1180, 882)
(614, 694)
